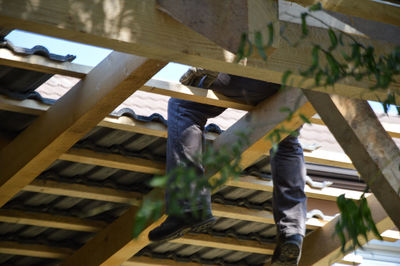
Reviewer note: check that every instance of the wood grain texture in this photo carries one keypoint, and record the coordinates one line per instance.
(373, 152)
(42, 64)
(138, 27)
(370, 10)
(68, 120)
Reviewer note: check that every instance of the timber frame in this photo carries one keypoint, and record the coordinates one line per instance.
(151, 34)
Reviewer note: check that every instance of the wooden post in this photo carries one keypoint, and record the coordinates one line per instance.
(371, 149)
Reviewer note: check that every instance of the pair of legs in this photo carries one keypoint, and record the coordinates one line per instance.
(186, 122)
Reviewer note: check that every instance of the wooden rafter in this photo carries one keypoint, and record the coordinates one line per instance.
(147, 261)
(372, 151)
(48, 220)
(35, 107)
(193, 94)
(67, 121)
(149, 32)
(230, 243)
(42, 64)
(84, 191)
(327, 193)
(34, 250)
(114, 161)
(371, 10)
(321, 248)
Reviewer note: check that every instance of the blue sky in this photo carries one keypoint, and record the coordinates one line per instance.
(91, 55)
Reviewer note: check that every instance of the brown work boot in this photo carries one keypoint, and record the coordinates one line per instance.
(287, 251)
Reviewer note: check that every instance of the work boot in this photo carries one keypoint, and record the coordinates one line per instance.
(287, 251)
(176, 226)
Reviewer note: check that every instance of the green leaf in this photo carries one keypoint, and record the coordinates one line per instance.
(285, 77)
(270, 34)
(159, 181)
(259, 44)
(305, 119)
(285, 109)
(242, 44)
(315, 7)
(304, 28)
(341, 38)
(318, 77)
(333, 38)
(249, 48)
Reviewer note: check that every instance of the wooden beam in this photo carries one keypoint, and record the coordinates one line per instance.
(321, 248)
(391, 128)
(373, 152)
(49, 220)
(34, 250)
(230, 243)
(370, 10)
(26, 106)
(42, 64)
(147, 261)
(118, 161)
(241, 16)
(193, 94)
(327, 193)
(131, 125)
(68, 120)
(35, 107)
(84, 191)
(146, 31)
(114, 244)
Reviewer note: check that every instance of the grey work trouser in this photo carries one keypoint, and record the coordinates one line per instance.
(186, 121)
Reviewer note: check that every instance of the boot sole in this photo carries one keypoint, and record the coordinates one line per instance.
(203, 225)
(289, 256)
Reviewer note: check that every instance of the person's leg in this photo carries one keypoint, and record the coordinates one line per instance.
(289, 200)
(186, 121)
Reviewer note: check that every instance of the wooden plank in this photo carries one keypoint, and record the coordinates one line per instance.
(67, 121)
(118, 161)
(250, 246)
(26, 106)
(147, 261)
(114, 244)
(149, 32)
(370, 10)
(372, 151)
(259, 216)
(319, 248)
(392, 129)
(35, 107)
(49, 220)
(204, 17)
(84, 191)
(193, 94)
(131, 125)
(241, 16)
(327, 193)
(34, 250)
(42, 64)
